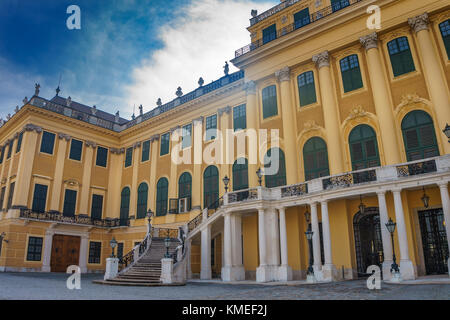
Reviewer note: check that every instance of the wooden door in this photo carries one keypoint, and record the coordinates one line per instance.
(65, 252)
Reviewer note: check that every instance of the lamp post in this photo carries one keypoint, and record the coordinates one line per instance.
(310, 273)
(362, 206)
(226, 181)
(259, 174)
(113, 244)
(447, 132)
(425, 199)
(149, 216)
(394, 267)
(167, 244)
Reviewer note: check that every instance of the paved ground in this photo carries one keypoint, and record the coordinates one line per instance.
(32, 286)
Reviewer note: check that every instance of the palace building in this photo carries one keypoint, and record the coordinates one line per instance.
(361, 117)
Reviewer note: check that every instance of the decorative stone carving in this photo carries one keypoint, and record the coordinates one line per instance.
(201, 82)
(8, 116)
(68, 101)
(356, 112)
(310, 125)
(226, 68)
(37, 88)
(198, 121)
(94, 110)
(179, 92)
(154, 137)
(283, 19)
(91, 144)
(322, 59)
(370, 41)
(137, 145)
(32, 127)
(250, 87)
(25, 100)
(283, 74)
(117, 117)
(159, 102)
(64, 136)
(72, 182)
(254, 13)
(419, 23)
(117, 150)
(410, 98)
(226, 110)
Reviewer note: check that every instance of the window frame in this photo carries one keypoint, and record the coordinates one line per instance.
(299, 88)
(365, 159)
(48, 134)
(71, 149)
(240, 118)
(163, 139)
(269, 111)
(210, 193)
(350, 73)
(209, 127)
(106, 157)
(93, 251)
(240, 174)
(317, 171)
(396, 73)
(444, 45)
(66, 192)
(94, 195)
(128, 161)
(162, 200)
(19, 142)
(145, 152)
(34, 197)
(184, 136)
(142, 200)
(35, 246)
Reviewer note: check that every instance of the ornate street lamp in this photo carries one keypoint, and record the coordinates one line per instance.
(362, 206)
(259, 174)
(309, 236)
(447, 132)
(391, 228)
(149, 215)
(226, 181)
(425, 199)
(113, 244)
(167, 244)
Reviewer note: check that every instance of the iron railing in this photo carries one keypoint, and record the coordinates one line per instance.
(295, 190)
(349, 179)
(416, 168)
(238, 196)
(128, 258)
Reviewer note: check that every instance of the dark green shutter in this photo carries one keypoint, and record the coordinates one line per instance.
(306, 88)
(165, 143)
(102, 157)
(142, 201)
(162, 188)
(10, 146)
(445, 32)
(269, 33)
(301, 18)
(97, 207)
(76, 148)
(39, 198)
(128, 157)
(239, 117)
(70, 201)
(124, 205)
(48, 141)
(351, 73)
(11, 195)
(337, 5)
(269, 101)
(363, 147)
(315, 157)
(401, 58)
(145, 151)
(210, 187)
(185, 185)
(279, 178)
(240, 174)
(2, 154)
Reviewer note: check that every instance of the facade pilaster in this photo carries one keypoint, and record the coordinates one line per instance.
(86, 179)
(63, 140)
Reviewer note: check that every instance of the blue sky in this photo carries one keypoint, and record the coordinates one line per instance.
(128, 52)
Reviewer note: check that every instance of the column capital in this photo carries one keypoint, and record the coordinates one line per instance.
(154, 137)
(64, 136)
(175, 129)
(136, 145)
(443, 184)
(223, 110)
(281, 209)
(324, 201)
(322, 59)
(32, 127)
(283, 74)
(91, 144)
(381, 192)
(198, 121)
(370, 41)
(117, 151)
(313, 203)
(396, 190)
(419, 23)
(250, 87)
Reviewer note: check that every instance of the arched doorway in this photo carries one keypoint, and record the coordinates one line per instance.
(368, 243)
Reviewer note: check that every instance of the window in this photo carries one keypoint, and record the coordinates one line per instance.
(351, 73)
(145, 151)
(95, 249)
(165, 144)
(211, 127)
(186, 134)
(10, 147)
(2, 155)
(34, 251)
(306, 88)
(363, 147)
(315, 159)
(19, 142)
(47, 143)
(128, 157)
(302, 18)
(269, 33)
(240, 174)
(162, 188)
(76, 148)
(142, 201)
(102, 157)
(278, 178)
(419, 136)
(269, 101)
(124, 205)
(445, 32)
(70, 201)
(239, 117)
(210, 187)
(337, 5)
(401, 58)
(39, 198)
(120, 250)
(11, 195)
(185, 185)
(97, 207)
(2, 197)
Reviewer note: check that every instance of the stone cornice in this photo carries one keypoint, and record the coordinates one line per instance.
(64, 136)
(283, 74)
(117, 150)
(226, 110)
(370, 41)
(419, 23)
(91, 144)
(322, 59)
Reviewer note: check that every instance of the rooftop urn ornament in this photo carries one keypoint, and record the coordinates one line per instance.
(179, 93)
(58, 90)
(25, 100)
(141, 110)
(16, 109)
(69, 101)
(37, 88)
(8, 116)
(117, 117)
(447, 132)
(2, 122)
(94, 110)
(254, 13)
(159, 102)
(201, 82)
(226, 68)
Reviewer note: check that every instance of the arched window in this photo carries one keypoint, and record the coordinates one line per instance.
(306, 88)
(363, 147)
(351, 73)
(269, 101)
(419, 136)
(142, 200)
(162, 188)
(445, 32)
(401, 58)
(185, 185)
(274, 177)
(315, 159)
(240, 174)
(210, 187)
(124, 205)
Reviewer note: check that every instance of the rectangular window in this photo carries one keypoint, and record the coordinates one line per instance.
(70, 201)
(128, 157)
(76, 148)
(10, 147)
(47, 143)
(186, 134)
(351, 73)
(211, 127)
(445, 32)
(302, 18)
(306, 88)
(120, 250)
(269, 33)
(97, 207)
(165, 144)
(34, 251)
(102, 157)
(2, 197)
(19, 142)
(401, 58)
(39, 198)
(95, 249)
(2, 155)
(239, 118)
(145, 151)
(11, 195)
(269, 101)
(337, 5)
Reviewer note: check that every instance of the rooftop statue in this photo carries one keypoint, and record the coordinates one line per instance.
(37, 88)
(226, 68)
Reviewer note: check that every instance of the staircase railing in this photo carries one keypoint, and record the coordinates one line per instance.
(208, 211)
(129, 259)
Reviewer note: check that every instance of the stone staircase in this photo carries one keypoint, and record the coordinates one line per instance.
(147, 270)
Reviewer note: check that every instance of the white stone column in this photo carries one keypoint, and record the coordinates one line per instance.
(316, 240)
(205, 271)
(189, 253)
(284, 271)
(48, 242)
(262, 274)
(237, 272)
(83, 253)
(226, 269)
(406, 266)
(446, 210)
(328, 270)
(385, 235)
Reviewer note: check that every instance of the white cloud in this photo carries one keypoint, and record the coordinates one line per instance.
(196, 44)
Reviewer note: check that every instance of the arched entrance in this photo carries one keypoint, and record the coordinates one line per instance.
(368, 243)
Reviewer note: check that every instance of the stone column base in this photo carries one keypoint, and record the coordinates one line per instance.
(112, 268)
(329, 273)
(166, 270)
(387, 275)
(205, 274)
(284, 273)
(311, 278)
(266, 273)
(318, 273)
(407, 270)
(45, 269)
(235, 273)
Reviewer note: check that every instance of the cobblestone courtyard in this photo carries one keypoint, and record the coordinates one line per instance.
(30, 286)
